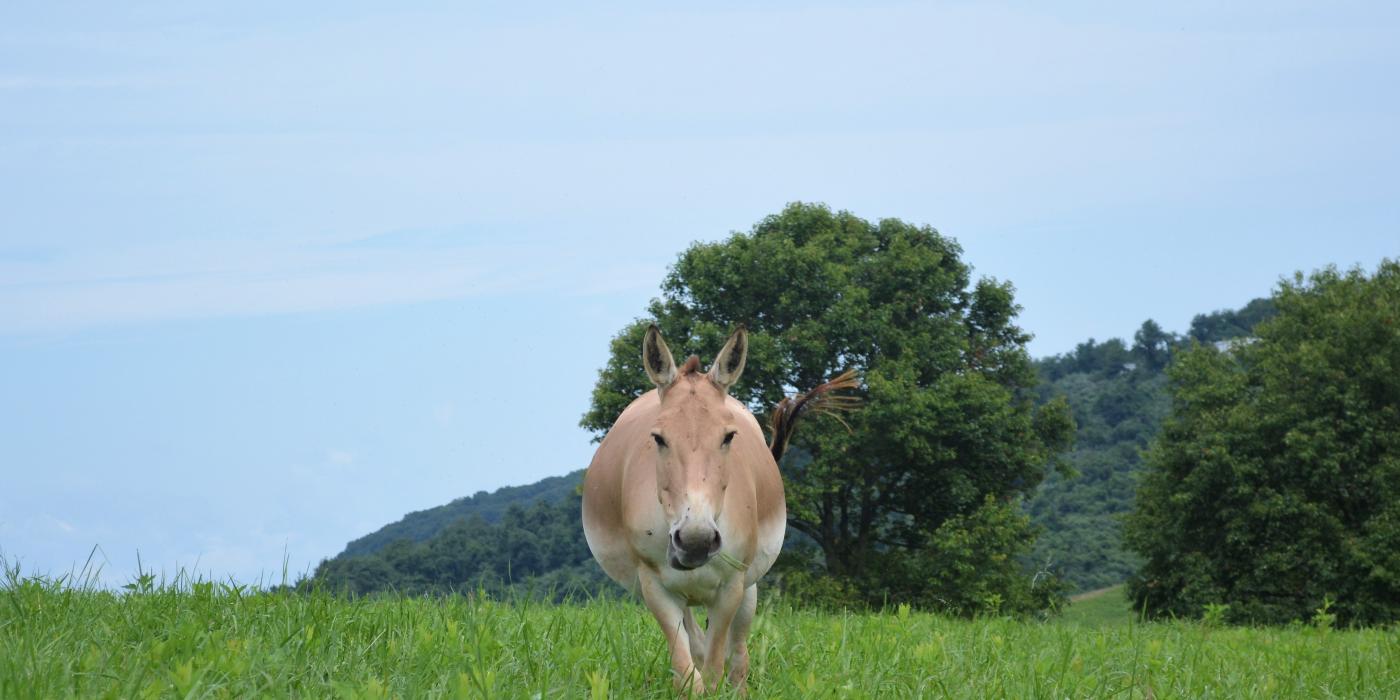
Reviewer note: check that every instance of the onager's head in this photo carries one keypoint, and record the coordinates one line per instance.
(693, 434)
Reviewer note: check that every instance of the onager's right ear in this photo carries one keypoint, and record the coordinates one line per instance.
(657, 359)
(729, 364)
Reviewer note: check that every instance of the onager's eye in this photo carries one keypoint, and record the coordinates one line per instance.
(729, 437)
(660, 441)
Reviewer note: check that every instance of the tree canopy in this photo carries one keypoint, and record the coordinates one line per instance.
(917, 502)
(1274, 485)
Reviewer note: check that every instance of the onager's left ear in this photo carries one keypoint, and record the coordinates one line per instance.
(729, 364)
(657, 359)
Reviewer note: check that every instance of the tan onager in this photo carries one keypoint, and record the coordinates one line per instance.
(684, 504)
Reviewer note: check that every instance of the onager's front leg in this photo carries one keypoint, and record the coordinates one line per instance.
(669, 612)
(739, 639)
(696, 633)
(721, 617)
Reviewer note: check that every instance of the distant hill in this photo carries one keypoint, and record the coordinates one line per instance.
(1118, 394)
(537, 549)
(421, 525)
(530, 535)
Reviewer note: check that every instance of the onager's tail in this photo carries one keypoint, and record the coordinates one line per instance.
(819, 400)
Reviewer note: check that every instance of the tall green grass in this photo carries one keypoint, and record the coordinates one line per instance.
(200, 639)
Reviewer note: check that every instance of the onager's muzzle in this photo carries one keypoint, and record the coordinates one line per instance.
(692, 544)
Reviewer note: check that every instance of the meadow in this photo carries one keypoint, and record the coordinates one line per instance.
(200, 640)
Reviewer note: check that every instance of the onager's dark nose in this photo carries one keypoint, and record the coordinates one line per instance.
(700, 542)
(693, 546)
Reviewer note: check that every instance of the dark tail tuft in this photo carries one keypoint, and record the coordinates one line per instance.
(819, 400)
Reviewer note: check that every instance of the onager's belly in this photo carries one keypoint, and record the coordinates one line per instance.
(612, 551)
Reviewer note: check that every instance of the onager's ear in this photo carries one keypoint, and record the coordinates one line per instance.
(729, 364)
(657, 359)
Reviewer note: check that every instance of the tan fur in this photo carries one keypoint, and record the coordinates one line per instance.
(626, 521)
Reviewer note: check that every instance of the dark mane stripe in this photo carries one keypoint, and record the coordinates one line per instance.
(691, 366)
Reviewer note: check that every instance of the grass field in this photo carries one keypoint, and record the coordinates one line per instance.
(1107, 607)
(202, 640)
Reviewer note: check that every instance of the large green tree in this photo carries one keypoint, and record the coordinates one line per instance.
(1274, 485)
(917, 500)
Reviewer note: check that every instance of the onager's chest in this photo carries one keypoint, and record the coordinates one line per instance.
(698, 586)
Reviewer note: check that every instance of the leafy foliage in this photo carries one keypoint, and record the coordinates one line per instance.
(1274, 486)
(949, 428)
(1228, 325)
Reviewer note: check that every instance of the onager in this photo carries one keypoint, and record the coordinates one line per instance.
(683, 503)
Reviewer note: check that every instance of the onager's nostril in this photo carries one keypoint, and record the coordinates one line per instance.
(676, 538)
(714, 545)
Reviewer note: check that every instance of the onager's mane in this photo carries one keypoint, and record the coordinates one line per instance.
(691, 366)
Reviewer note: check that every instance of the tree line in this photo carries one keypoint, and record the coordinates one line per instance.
(538, 549)
(966, 449)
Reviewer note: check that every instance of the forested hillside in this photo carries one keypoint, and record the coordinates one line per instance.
(490, 507)
(539, 546)
(1118, 395)
(530, 535)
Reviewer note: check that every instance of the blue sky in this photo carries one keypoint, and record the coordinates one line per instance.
(274, 274)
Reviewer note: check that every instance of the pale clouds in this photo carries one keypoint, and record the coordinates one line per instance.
(234, 175)
(116, 285)
(48, 82)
